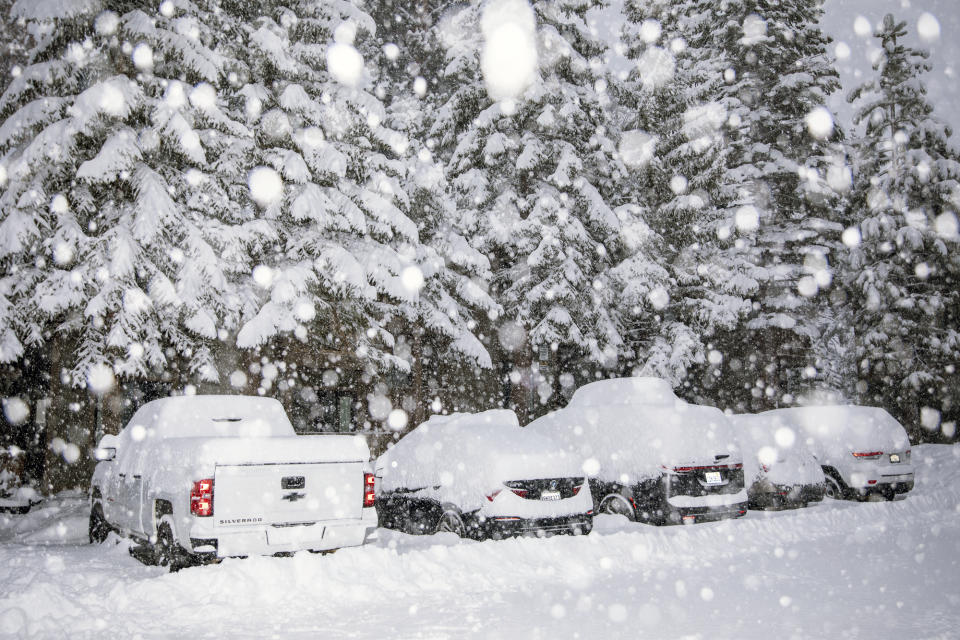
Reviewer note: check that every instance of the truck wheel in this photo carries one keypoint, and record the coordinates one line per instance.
(168, 551)
(98, 528)
(617, 504)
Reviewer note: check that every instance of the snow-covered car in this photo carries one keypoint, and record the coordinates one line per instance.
(779, 469)
(16, 495)
(863, 451)
(651, 456)
(195, 478)
(481, 475)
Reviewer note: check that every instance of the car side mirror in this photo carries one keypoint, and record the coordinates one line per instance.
(107, 448)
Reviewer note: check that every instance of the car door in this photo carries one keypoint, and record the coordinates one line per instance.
(113, 488)
(143, 518)
(129, 486)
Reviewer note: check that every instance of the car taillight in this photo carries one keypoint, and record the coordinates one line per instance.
(201, 498)
(765, 467)
(520, 492)
(577, 488)
(369, 489)
(493, 495)
(908, 455)
(867, 455)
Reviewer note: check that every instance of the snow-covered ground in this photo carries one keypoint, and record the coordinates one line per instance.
(854, 570)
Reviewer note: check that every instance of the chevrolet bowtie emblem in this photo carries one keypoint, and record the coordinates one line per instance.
(293, 496)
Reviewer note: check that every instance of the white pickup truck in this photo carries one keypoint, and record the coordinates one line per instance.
(195, 478)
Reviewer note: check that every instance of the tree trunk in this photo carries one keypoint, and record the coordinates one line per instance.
(70, 426)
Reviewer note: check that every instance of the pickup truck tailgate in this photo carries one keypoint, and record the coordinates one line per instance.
(282, 494)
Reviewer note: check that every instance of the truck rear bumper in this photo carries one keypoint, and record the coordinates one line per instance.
(265, 541)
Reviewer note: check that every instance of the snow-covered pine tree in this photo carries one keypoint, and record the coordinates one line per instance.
(534, 178)
(904, 258)
(780, 203)
(408, 76)
(112, 263)
(670, 99)
(14, 43)
(350, 203)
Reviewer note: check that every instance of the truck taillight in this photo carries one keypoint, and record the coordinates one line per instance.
(369, 489)
(201, 498)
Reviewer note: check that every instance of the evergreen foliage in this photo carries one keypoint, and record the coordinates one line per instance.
(904, 261)
(194, 188)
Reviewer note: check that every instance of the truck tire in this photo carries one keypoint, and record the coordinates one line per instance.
(168, 551)
(98, 528)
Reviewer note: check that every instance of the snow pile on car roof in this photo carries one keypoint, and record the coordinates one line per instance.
(466, 456)
(641, 390)
(626, 429)
(839, 430)
(212, 416)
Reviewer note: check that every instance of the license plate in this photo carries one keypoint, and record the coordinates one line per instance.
(713, 477)
(297, 535)
(894, 457)
(550, 495)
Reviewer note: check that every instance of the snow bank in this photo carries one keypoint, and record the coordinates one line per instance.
(839, 569)
(464, 457)
(627, 429)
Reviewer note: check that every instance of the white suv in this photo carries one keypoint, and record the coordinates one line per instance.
(863, 450)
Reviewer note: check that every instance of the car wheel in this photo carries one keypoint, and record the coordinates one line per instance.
(617, 504)
(168, 551)
(451, 522)
(98, 528)
(834, 490)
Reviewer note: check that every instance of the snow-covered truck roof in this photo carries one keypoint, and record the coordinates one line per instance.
(213, 416)
(627, 428)
(220, 429)
(472, 454)
(838, 430)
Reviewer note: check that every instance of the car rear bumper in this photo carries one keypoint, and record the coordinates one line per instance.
(690, 515)
(504, 526)
(886, 483)
(900, 486)
(265, 541)
(766, 496)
